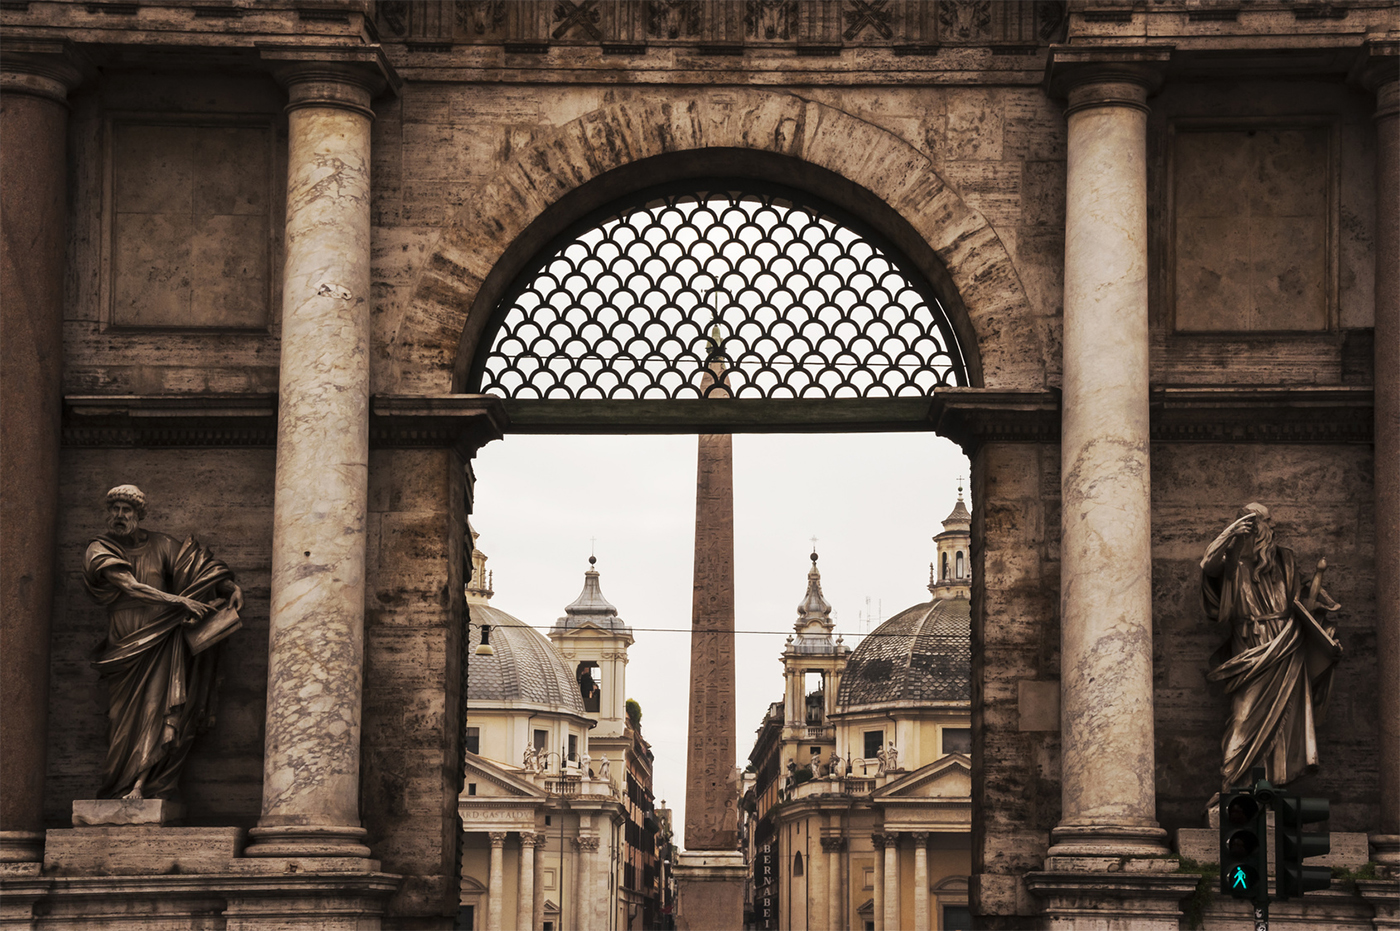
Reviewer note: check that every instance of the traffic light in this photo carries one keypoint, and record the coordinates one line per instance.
(1244, 864)
(1292, 846)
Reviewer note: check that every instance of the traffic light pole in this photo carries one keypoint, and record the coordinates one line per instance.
(1261, 916)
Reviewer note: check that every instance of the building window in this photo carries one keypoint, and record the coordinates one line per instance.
(471, 788)
(957, 740)
(573, 746)
(961, 568)
(874, 742)
(957, 918)
(541, 739)
(473, 740)
(589, 687)
(797, 864)
(945, 567)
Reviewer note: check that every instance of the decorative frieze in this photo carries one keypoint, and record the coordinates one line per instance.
(807, 26)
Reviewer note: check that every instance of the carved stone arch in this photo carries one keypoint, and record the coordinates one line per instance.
(624, 148)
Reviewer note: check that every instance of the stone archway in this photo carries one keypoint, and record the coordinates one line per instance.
(620, 149)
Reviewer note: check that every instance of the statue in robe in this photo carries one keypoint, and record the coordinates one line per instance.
(169, 606)
(1278, 662)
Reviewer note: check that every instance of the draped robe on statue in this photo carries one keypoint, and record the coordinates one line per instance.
(1273, 698)
(160, 696)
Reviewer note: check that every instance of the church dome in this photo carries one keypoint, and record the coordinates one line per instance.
(526, 668)
(920, 656)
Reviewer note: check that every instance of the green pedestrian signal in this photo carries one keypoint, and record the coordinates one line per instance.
(1243, 857)
(1293, 845)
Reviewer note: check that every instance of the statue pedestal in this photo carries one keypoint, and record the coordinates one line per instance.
(102, 812)
(709, 890)
(141, 849)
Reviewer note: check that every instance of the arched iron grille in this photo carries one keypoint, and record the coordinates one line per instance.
(786, 296)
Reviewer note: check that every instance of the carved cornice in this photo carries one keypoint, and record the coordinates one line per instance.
(40, 68)
(1071, 69)
(1265, 414)
(364, 66)
(466, 422)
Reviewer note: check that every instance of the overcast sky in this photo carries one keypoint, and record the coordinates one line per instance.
(874, 501)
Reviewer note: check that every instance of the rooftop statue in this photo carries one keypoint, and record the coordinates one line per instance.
(165, 614)
(1279, 660)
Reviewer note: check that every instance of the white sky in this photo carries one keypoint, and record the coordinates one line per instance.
(874, 501)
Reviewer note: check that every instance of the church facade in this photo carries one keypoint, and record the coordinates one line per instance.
(859, 798)
(287, 265)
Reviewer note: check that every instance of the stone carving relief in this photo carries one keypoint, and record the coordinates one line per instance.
(532, 25)
(1278, 663)
(169, 606)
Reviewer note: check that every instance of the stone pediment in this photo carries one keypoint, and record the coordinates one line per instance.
(947, 779)
(492, 781)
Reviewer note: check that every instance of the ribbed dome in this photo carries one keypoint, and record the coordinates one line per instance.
(525, 668)
(923, 654)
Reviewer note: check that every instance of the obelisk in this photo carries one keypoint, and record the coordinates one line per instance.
(711, 816)
(710, 873)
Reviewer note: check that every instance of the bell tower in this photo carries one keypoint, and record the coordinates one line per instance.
(812, 666)
(951, 575)
(594, 641)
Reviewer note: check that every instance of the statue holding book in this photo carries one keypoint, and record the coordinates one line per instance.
(169, 605)
(1277, 665)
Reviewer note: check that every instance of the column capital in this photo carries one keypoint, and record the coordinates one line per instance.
(833, 844)
(1378, 70)
(586, 843)
(530, 839)
(878, 839)
(498, 838)
(341, 78)
(40, 68)
(920, 838)
(1109, 77)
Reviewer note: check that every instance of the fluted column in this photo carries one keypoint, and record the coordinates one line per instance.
(1108, 794)
(33, 227)
(832, 846)
(1387, 450)
(311, 769)
(921, 915)
(892, 882)
(525, 902)
(878, 840)
(496, 882)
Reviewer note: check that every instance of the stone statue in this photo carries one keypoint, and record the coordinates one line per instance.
(605, 769)
(528, 763)
(883, 759)
(891, 758)
(165, 616)
(838, 765)
(1277, 665)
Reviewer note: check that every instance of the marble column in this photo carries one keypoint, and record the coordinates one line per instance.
(921, 915)
(818, 887)
(832, 847)
(1387, 449)
(525, 902)
(496, 883)
(311, 767)
(1108, 792)
(584, 904)
(537, 908)
(878, 905)
(33, 226)
(892, 882)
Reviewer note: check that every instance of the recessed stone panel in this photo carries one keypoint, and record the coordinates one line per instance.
(189, 223)
(1252, 223)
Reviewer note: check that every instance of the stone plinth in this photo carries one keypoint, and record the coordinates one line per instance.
(709, 890)
(100, 812)
(1203, 846)
(141, 850)
(1085, 894)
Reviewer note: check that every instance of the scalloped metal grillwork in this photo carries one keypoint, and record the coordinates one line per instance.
(781, 295)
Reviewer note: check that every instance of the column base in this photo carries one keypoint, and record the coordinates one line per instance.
(307, 840)
(1148, 900)
(1385, 850)
(709, 890)
(1111, 841)
(21, 846)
